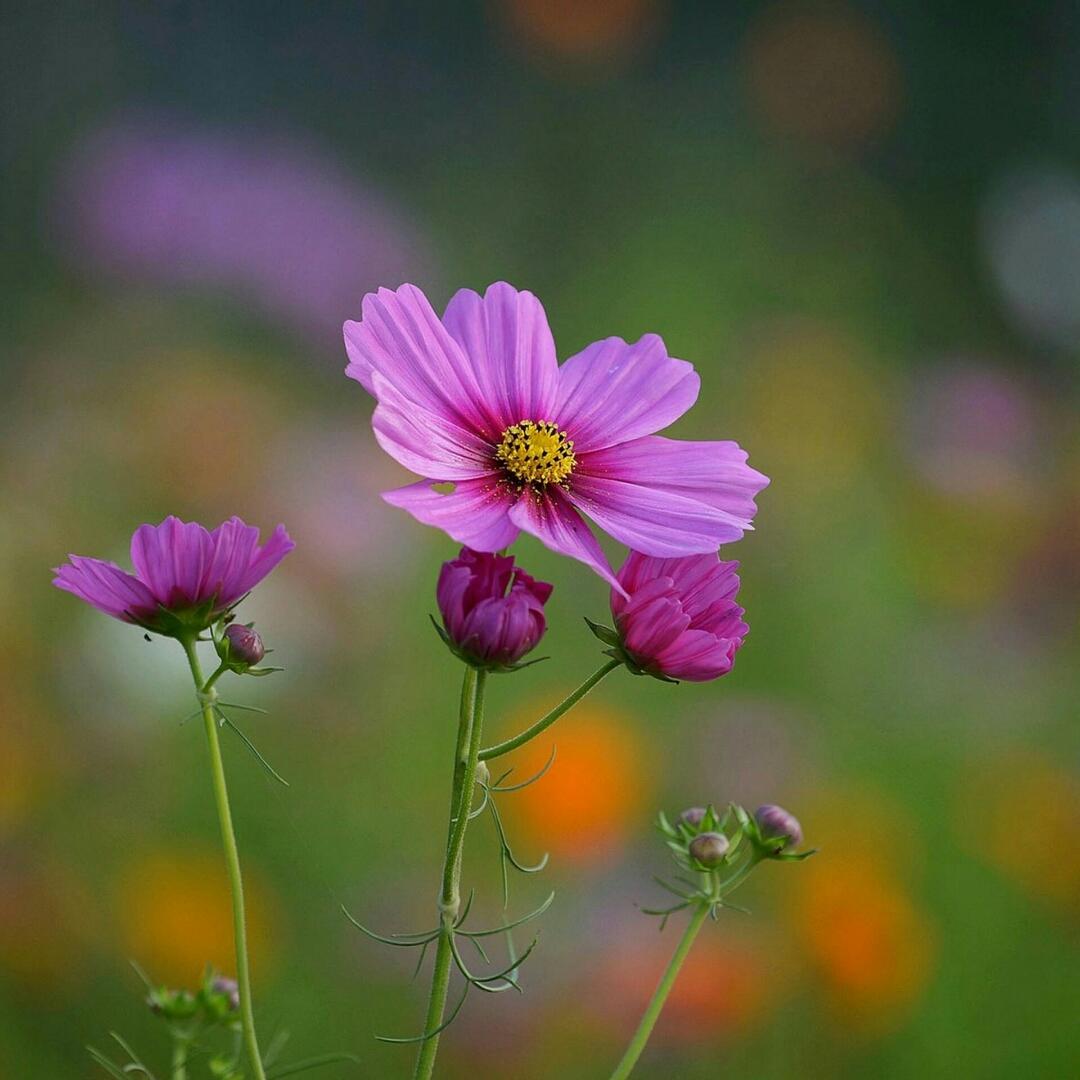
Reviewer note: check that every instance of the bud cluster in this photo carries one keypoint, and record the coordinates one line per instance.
(216, 1002)
(721, 848)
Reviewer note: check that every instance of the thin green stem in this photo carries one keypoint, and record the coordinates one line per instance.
(466, 759)
(179, 1057)
(663, 988)
(206, 695)
(547, 720)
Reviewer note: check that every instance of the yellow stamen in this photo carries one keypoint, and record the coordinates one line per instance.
(536, 452)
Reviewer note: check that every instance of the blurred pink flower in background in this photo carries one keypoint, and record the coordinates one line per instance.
(330, 477)
(266, 217)
(975, 429)
(749, 749)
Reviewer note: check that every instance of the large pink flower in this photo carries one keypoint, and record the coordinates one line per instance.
(477, 400)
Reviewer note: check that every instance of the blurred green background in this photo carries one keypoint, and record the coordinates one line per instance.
(860, 222)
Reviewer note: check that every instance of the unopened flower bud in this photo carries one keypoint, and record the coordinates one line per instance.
(493, 612)
(229, 987)
(244, 645)
(775, 823)
(709, 848)
(693, 816)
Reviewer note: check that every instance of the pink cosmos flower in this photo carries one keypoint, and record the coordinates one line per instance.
(493, 612)
(679, 618)
(185, 576)
(477, 404)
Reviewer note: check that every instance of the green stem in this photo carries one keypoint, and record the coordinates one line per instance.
(466, 758)
(232, 860)
(656, 1003)
(546, 721)
(179, 1057)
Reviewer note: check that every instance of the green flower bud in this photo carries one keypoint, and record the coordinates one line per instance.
(709, 849)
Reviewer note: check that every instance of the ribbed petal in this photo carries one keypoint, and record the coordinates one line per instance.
(172, 559)
(612, 392)
(697, 656)
(262, 563)
(654, 522)
(705, 584)
(235, 544)
(475, 513)
(425, 442)
(652, 622)
(401, 338)
(108, 588)
(714, 473)
(508, 343)
(551, 519)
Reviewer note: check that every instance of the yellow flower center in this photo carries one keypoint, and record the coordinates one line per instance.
(536, 452)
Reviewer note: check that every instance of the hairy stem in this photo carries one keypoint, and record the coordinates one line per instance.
(206, 695)
(663, 988)
(466, 758)
(548, 719)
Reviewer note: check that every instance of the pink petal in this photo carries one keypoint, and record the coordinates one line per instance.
(551, 519)
(653, 620)
(715, 473)
(105, 586)
(703, 583)
(506, 337)
(262, 563)
(652, 521)
(612, 392)
(425, 442)
(475, 513)
(697, 656)
(401, 338)
(172, 559)
(235, 544)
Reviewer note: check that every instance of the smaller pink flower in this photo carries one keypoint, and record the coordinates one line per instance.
(493, 612)
(679, 619)
(185, 576)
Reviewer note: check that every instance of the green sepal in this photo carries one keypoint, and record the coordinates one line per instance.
(465, 658)
(173, 1004)
(617, 651)
(606, 634)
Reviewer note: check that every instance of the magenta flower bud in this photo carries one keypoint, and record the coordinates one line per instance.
(243, 644)
(493, 612)
(709, 848)
(775, 823)
(679, 618)
(693, 816)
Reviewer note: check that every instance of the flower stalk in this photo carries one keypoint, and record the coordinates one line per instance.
(660, 994)
(207, 695)
(548, 719)
(466, 761)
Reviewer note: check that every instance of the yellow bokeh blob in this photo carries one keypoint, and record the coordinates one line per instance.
(176, 918)
(1016, 812)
